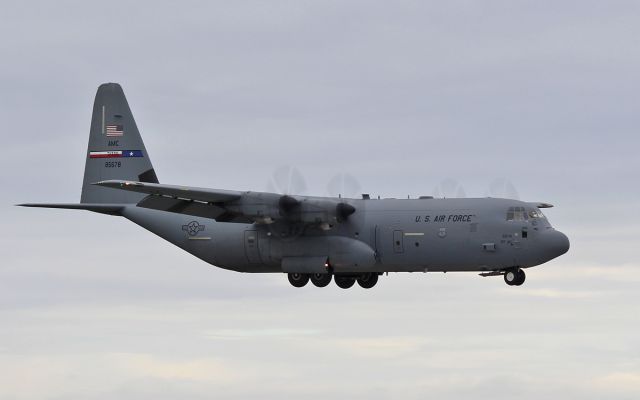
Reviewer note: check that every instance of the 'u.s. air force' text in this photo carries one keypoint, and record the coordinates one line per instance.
(445, 218)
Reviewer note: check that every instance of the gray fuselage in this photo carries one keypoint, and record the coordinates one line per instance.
(388, 235)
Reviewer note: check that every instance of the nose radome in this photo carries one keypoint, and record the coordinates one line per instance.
(559, 243)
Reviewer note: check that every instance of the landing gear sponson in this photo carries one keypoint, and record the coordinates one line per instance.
(366, 281)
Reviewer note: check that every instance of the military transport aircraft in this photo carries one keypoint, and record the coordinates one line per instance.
(313, 239)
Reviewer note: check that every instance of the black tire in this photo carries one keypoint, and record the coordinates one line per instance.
(367, 281)
(344, 282)
(511, 277)
(520, 278)
(321, 280)
(298, 280)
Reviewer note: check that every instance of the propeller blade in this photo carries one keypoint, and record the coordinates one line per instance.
(287, 180)
(503, 188)
(344, 185)
(449, 188)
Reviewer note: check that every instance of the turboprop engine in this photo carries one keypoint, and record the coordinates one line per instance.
(267, 208)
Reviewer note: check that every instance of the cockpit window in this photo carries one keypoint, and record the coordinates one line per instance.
(517, 214)
(536, 214)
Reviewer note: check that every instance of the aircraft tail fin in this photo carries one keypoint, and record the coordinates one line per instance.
(115, 151)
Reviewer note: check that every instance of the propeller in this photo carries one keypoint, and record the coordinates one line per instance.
(287, 180)
(343, 185)
(503, 188)
(449, 188)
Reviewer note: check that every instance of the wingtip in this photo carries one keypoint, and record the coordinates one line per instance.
(107, 183)
(32, 205)
(115, 183)
(35, 205)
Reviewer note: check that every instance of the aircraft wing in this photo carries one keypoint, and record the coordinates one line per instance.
(199, 202)
(175, 192)
(235, 206)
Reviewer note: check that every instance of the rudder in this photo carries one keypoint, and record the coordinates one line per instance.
(115, 151)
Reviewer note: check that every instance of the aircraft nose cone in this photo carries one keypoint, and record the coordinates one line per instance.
(557, 243)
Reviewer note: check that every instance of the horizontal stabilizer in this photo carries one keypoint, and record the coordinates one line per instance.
(178, 192)
(111, 209)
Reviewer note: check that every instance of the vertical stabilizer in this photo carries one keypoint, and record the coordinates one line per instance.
(115, 151)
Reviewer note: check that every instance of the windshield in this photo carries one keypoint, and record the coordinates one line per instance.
(536, 214)
(517, 214)
(520, 214)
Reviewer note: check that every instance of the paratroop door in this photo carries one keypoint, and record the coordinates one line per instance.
(251, 247)
(398, 241)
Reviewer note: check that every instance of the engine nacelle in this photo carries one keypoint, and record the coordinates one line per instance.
(267, 208)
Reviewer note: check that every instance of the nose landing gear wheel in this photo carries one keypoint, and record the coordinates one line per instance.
(298, 280)
(368, 281)
(344, 282)
(321, 280)
(515, 277)
(521, 277)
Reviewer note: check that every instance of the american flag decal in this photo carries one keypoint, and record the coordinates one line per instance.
(115, 154)
(115, 130)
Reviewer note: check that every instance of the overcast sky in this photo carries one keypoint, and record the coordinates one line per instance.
(411, 98)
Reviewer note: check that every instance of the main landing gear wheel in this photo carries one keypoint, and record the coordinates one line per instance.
(321, 280)
(344, 282)
(298, 280)
(368, 281)
(515, 277)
